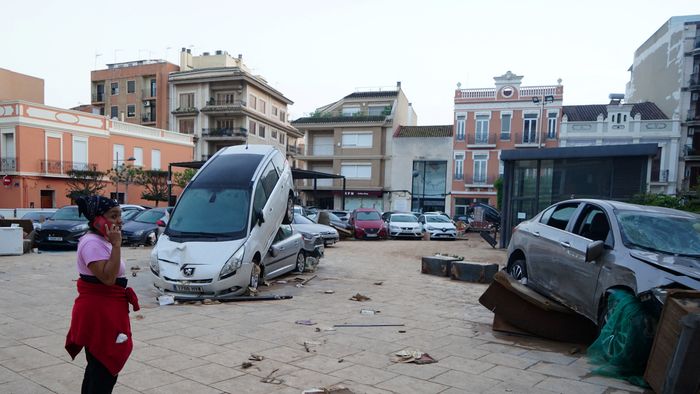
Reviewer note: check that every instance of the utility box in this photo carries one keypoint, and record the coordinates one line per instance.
(659, 372)
(11, 242)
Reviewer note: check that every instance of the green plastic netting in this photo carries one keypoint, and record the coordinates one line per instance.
(622, 348)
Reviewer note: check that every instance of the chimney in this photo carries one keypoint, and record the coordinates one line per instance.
(398, 85)
(240, 56)
(185, 60)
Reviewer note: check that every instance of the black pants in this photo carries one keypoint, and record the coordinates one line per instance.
(97, 379)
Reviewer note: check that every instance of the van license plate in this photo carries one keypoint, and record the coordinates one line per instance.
(55, 238)
(188, 289)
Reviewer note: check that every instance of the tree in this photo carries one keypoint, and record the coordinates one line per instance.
(85, 182)
(183, 178)
(155, 184)
(124, 174)
(498, 184)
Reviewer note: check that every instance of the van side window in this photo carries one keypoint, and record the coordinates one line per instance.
(278, 161)
(269, 179)
(259, 200)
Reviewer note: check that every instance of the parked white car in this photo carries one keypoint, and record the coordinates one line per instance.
(404, 225)
(224, 224)
(439, 226)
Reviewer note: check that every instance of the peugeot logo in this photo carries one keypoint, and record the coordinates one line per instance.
(187, 271)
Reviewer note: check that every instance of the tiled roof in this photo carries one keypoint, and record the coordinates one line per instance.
(339, 119)
(589, 113)
(424, 131)
(388, 93)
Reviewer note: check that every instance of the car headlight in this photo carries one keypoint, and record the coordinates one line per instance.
(80, 227)
(429, 228)
(394, 228)
(307, 236)
(153, 262)
(233, 263)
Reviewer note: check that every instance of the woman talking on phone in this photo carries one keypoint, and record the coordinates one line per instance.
(100, 319)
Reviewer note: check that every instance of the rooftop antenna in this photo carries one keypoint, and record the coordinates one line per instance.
(96, 56)
(115, 54)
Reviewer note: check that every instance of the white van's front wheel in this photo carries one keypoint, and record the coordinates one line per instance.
(255, 276)
(289, 213)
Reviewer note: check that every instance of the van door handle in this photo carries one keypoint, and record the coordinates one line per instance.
(565, 244)
(536, 233)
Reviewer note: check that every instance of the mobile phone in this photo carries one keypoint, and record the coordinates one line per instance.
(99, 224)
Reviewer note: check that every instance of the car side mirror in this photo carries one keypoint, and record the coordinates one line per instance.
(274, 251)
(594, 250)
(259, 217)
(160, 223)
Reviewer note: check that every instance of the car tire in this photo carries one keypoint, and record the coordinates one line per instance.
(289, 212)
(518, 270)
(255, 276)
(301, 263)
(151, 238)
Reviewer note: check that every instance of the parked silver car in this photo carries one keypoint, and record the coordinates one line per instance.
(329, 234)
(577, 250)
(404, 225)
(439, 226)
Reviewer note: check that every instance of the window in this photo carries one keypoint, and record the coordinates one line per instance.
(552, 125)
(530, 128)
(460, 127)
(459, 165)
(186, 100)
(261, 131)
(273, 133)
(130, 111)
(559, 216)
(282, 137)
(155, 159)
(80, 153)
(114, 112)
(376, 110)
(482, 129)
(114, 88)
(221, 99)
(252, 127)
(252, 101)
(283, 116)
(351, 111)
(138, 155)
(269, 179)
(505, 126)
(262, 106)
(186, 126)
(480, 162)
(118, 155)
(153, 88)
(592, 223)
(357, 140)
(275, 111)
(259, 200)
(356, 171)
(130, 86)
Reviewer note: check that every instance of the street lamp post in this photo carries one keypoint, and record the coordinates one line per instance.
(118, 175)
(545, 99)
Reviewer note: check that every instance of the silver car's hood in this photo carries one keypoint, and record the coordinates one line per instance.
(315, 228)
(441, 225)
(198, 253)
(687, 266)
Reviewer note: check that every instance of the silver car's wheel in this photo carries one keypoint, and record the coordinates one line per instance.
(518, 270)
(301, 262)
(255, 276)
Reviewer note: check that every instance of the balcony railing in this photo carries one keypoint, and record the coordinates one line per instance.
(293, 150)
(505, 136)
(481, 179)
(223, 105)
(8, 164)
(525, 138)
(98, 97)
(150, 92)
(659, 176)
(148, 118)
(185, 111)
(694, 81)
(481, 139)
(225, 132)
(62, 167)
(458, 176)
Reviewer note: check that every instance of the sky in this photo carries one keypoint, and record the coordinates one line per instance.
(316, 52)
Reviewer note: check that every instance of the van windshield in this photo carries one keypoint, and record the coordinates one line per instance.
(210, 211)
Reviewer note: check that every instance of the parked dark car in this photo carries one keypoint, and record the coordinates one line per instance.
(333, 220)
(576, 251)
(367, 223)
(64, 229)
(38, 217)
(143, 229)
(130, 215)
(342, 215)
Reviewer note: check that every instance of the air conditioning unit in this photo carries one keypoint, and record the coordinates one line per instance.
(147, 104)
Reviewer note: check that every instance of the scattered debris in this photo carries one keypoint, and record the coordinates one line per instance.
(208, 301)
(310, 264)
(281, 282)
(574, 350)
(308, 345)
(199, 301)
(246, 364)
(135, 269)
(360, 297)
(329, 390)
(402, 331)
(369, 311)
(329, 292)
(319, 329)
(341, 360)
(305, 322)
(165, 300)
(413, 356)
(271, 379)
(138, 317)
(379, 283)
(256, 357)
(368, 325)
(307, 280)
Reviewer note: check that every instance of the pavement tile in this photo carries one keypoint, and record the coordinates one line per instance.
(251, 346)
(61, 378)
(209, 373)
(183, 387)
(23, 357)
(304, 379)
(186, 345)
(263, 368)
(286, 354)
(358, 388)
(507, 374)
(514, 387)
(251, 385)
(8, 376)
(146, 353)
(221, 338)
(569, 386)
(551, 357)
(121, 389)
(20, 330)
(501, 348)
(508, 360)
(409, 385)
(616, 383)
(364, 375)
(425, 371)
(228, 357)
(148, 378)
(475, 367)
(561, 371)
(321, 363)
(370, 359)
(176, 362)
(23, 387)
(465, 381)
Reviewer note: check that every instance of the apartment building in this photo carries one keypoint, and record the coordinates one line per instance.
(17, 86)
(666, 71)
(353, 137)
(619, 123)
(134, 92)
(217, 100)
(39, 144)
(489, 120)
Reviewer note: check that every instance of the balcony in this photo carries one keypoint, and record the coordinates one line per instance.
(8, 164)
(62, 167)
(480, 140)
(693, 118)
(692, 153)
(480, 180)
(185, 111)
(525, 139)
(225, 133)
(224, 106)
(659, 176)
(694, 81)
(149, 93)
(458, 177)
(98, 98)
(148, 118)
(293, 150)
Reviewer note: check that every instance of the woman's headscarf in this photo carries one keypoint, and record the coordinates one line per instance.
(93, 206)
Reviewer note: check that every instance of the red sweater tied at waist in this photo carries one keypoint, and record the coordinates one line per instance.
(100, 315)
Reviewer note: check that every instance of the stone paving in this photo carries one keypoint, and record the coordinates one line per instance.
(200, 348)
